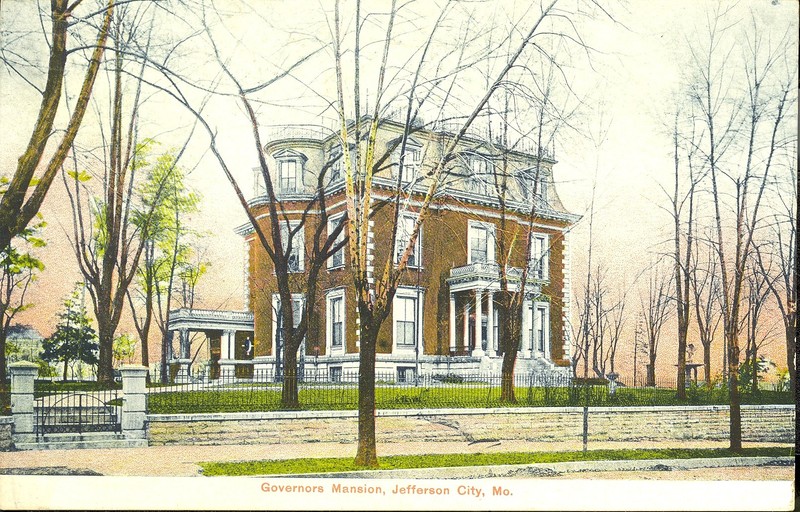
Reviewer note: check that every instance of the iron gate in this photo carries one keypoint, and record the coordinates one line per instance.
(78, 412)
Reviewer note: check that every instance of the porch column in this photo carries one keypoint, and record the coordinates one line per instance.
(184, 357)
(478, 351)
(490, 343)
(525, 342)
(466, 326)
(227, 368)
(452, 323)
(170, 350)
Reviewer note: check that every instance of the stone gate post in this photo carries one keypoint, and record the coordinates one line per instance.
(134, 401)
(22, 375)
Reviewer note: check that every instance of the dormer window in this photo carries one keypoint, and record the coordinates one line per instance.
(338, 169)
(411, 160)
(479, 170)
(290, 171)
(530, 179)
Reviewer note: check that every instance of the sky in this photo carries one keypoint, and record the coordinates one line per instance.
(636, 66)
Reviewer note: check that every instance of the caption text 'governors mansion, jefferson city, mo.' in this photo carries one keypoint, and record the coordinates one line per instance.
(443, 318)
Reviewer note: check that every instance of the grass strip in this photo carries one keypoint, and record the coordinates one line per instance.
(345, 464)
(263, 398)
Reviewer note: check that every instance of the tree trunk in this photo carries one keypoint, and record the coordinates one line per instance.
(683, 328)
(791, 354)
(707, 362)
(733, 389)
(105, 364)
(509, 340)
(3, 361)
(651, 371)
(66, 365)
(367, 452)
(507, 379)
(289, 389)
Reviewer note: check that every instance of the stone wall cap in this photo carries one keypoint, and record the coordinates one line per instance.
(132, 367)
(24, 365)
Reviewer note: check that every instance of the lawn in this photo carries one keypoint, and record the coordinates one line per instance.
(336, 465)
(474, 395)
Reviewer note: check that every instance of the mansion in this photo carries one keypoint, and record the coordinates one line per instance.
(444, 318)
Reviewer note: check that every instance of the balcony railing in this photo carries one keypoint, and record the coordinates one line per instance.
(298, 131)
(490, 271)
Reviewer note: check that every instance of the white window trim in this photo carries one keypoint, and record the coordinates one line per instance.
(300, 159)
(329, 297)
(476, 180)
(490, 239)
(417, 252)
(412, 147)
(276, 299)
(541, 308)
(299, 237)
(418, 294)
(544, 255)
(333, 221)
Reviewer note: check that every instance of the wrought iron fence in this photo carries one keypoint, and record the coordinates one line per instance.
(269, 390)
(76, 408)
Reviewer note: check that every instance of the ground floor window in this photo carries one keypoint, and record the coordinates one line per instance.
(335, 373)
(407, 315)
(539, 328)
(335, 320)
(406, 374)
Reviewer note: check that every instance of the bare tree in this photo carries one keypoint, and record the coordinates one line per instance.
(705, 291)
(656, 311)
(19, 205)
(109, 230)
(776, 258)
(756, 337)
(744, 133)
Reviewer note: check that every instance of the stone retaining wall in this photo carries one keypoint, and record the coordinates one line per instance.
(773, 423)
(5, 433)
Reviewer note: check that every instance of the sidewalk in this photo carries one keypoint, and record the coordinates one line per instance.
(182, 460)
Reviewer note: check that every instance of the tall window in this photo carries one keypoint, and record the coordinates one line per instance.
(289, 175)
(539, 328)
(405, 227)
(336, 320)
(259, 189)
(296, 261)
(481, 243)
(539, 256)
(526, 180)
(404, 321)
(338, 169)
(411, 164)
(479, 177)
(278, 331)
(337, 259)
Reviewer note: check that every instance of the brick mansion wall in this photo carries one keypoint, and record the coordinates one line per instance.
(759, 424)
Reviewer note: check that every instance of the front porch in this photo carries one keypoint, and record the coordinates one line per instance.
(228, 333)
(473, 316)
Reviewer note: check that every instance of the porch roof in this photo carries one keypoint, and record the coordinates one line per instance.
(209, 320)
(486, 276)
